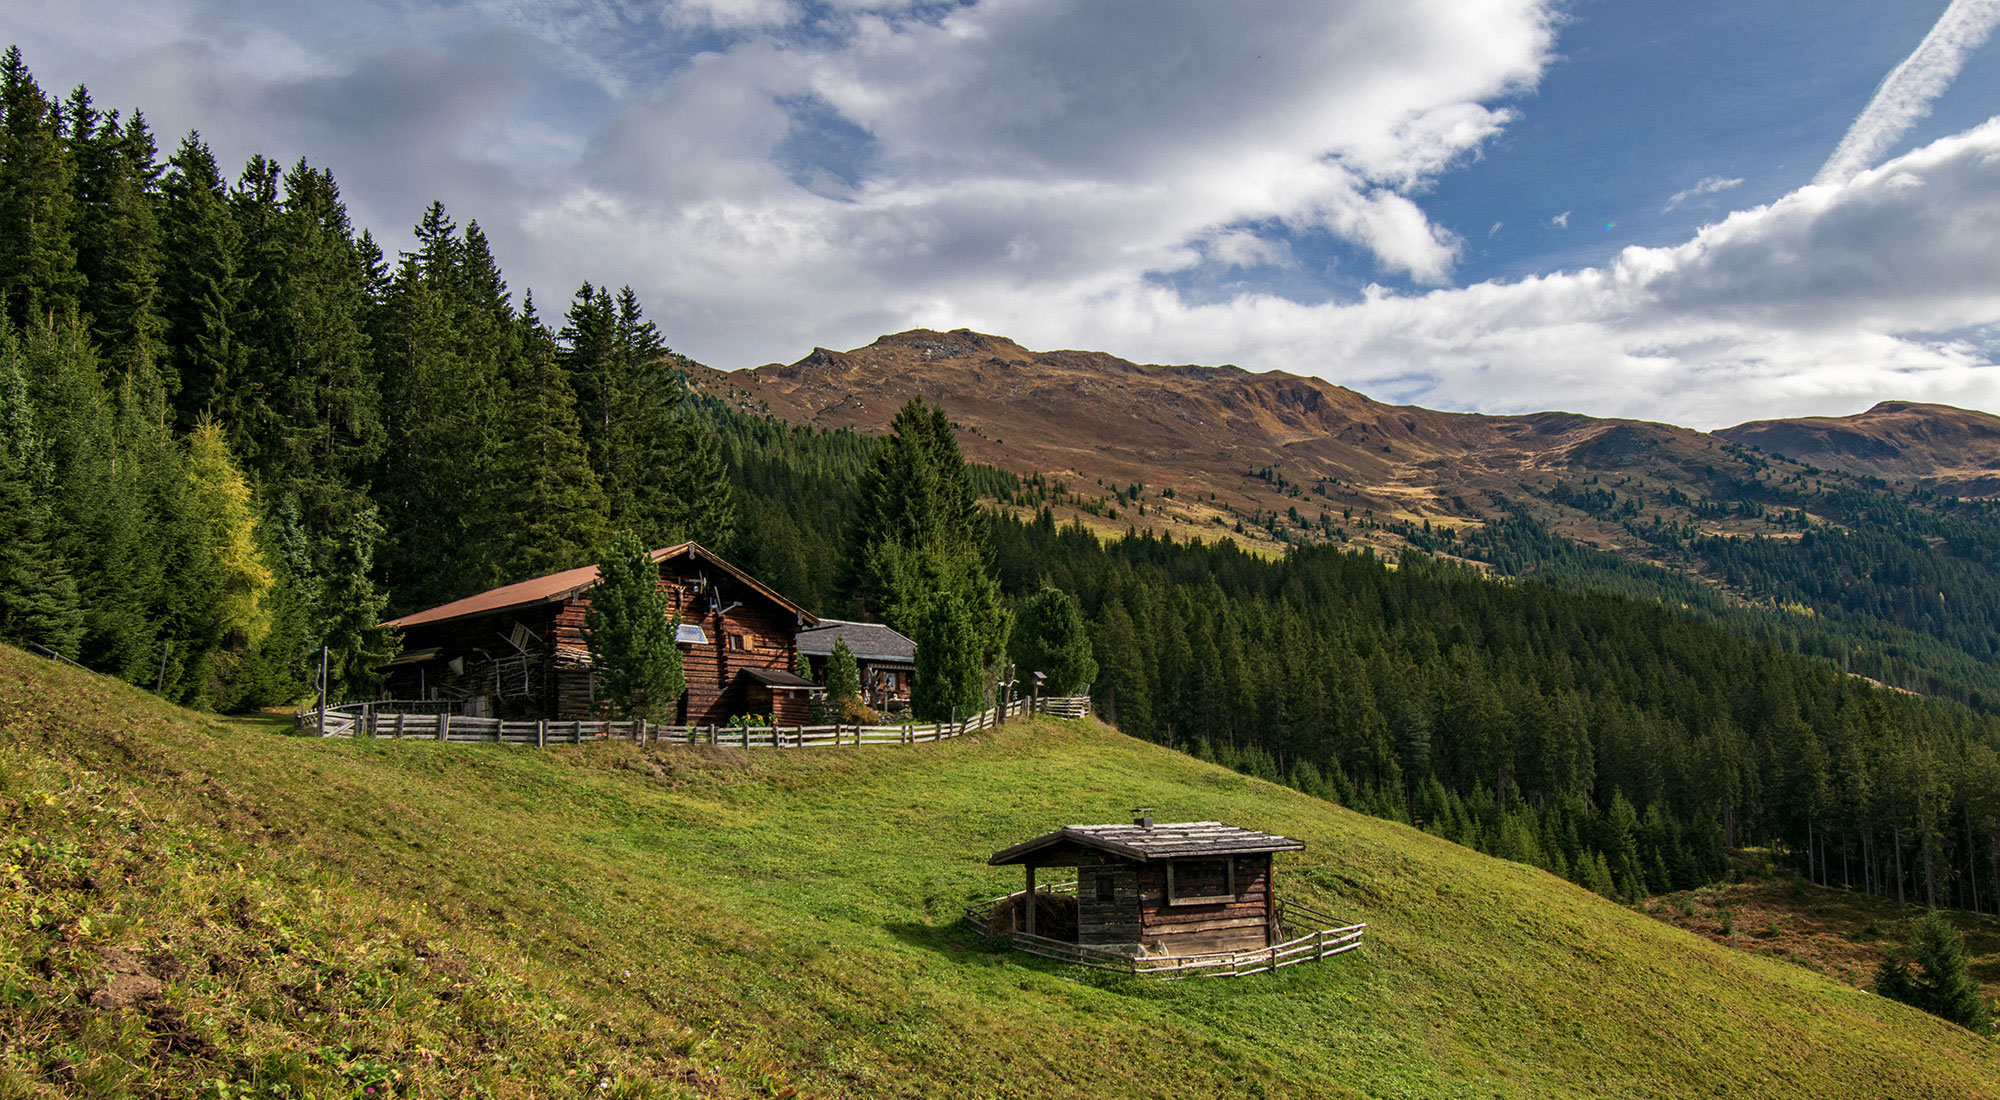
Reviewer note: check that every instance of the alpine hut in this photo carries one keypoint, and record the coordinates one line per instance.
(518, 650)
(1190, 888)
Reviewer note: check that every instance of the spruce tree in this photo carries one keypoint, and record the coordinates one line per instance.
(436, 482)
(202, 291)
(325, 424)
(949, 681)
(1930, 973)
(917, 556)
(117, 233)
(349, 607)
(633, 657)
(1049, 637)
(38, 276)
(558, 509)
(38, 598)
(843, 676)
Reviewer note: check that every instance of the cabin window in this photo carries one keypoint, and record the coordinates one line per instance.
(1107, 889)
(1193, 881)
(739, 643)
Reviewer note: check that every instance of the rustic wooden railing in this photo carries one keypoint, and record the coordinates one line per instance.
(392, 719)
(1306, 934)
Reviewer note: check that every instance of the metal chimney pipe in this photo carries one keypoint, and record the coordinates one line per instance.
(1143, 817)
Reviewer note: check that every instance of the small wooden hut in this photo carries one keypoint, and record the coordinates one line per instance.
(1172, 889)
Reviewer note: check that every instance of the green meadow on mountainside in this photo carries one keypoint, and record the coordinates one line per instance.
(204, 908)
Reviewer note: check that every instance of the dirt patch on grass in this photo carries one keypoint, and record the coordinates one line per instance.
(126, 982)
(1838, 932)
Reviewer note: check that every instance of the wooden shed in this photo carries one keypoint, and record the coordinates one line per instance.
(1174, 889)
(518, 650)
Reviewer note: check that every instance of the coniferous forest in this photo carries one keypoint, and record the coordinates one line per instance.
(233, 432)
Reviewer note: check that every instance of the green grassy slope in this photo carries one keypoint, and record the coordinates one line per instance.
(193, 907)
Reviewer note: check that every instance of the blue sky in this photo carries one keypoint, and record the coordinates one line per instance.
(1494, 205)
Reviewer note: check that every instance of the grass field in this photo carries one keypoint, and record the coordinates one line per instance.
(204, 908)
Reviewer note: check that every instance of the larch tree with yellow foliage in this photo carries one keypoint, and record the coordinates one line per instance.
(220, 500)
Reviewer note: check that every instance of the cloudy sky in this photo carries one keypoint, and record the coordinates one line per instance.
(1702, 212)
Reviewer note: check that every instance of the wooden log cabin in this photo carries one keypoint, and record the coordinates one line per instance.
(518, 651)
(886, 659)
(1168, 889)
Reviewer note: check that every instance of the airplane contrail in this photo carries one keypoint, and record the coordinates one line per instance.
(1906, 94)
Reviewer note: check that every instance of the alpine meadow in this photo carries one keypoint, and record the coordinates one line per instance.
(414, 686)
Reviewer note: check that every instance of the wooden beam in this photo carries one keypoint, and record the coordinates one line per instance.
(1028, 921)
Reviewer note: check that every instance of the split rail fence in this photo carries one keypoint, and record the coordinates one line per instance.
(433, 721)
(1305, 934)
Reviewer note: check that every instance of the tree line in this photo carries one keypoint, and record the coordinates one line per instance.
(233, 431)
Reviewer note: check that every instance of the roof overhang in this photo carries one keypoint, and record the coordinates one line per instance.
(414, 656)
(1188, 840)
(778, 680)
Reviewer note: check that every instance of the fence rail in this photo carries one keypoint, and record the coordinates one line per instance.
(435, 721)
(1301, 942)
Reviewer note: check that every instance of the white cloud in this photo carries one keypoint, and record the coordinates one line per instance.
(769, 180)
(1826, 300)
(1905, 95)
(1710, 185)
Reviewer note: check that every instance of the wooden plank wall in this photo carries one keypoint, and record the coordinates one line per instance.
(1236, 924)
(1107, 903)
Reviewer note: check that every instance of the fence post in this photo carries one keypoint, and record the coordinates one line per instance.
(541, 733)
(444, 727)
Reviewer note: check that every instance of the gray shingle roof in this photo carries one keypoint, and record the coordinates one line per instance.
(1157, 841)
(869, 641)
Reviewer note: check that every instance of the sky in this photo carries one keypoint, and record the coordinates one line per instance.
(1702, 212)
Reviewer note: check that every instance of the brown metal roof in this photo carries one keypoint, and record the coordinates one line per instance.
(560, 586)
(1159, 841)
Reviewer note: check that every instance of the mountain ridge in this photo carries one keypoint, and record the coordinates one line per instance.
(1098, 422)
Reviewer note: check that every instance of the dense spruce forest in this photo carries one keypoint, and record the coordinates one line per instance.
(233, 432)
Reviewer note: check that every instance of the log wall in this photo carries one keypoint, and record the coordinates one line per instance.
(1237, 923)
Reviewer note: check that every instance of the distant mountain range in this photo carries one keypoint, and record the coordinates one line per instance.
(1939, 447)
(1236, 446)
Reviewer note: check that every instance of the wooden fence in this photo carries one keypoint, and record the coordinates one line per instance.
(1305, 934)
(395, 719)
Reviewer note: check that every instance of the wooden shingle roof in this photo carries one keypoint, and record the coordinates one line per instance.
(1173, 840)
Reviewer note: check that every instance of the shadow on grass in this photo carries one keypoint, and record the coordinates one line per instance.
(958, 941)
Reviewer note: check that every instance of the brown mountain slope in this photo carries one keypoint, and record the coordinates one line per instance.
(1933, 446)
(1233, 446)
